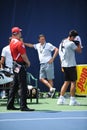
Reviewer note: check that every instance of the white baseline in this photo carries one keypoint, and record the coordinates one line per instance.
(41, 119)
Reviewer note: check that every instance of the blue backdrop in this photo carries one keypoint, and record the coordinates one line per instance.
(54, 18)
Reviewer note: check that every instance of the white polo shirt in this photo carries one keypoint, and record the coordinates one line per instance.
(8, 58)
(67, 53)
(44, 51)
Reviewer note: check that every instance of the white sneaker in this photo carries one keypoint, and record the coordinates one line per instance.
(61, 100)
(73, 102)
(52, 92)
(3, 97)
(52, 89)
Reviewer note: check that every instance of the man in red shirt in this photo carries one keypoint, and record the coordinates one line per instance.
(20, 62)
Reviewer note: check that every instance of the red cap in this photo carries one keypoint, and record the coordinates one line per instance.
(16, 30)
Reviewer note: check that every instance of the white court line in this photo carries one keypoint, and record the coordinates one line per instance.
(40, 119)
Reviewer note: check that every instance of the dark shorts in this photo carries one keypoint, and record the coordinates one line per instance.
(70, 73)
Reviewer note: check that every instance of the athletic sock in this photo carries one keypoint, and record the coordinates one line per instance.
(51, 89)
(72, 98)
(61, 96)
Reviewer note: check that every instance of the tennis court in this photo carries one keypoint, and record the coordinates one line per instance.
(48, 115)
(44, 120)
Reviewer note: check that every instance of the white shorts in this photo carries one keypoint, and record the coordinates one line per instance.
(47, 71)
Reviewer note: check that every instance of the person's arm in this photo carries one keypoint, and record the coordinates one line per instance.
(78, 49)
(2, 61)
(22, 52)
(29, 45)
(26, 60)
(54, 55)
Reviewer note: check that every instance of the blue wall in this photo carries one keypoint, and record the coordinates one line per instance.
(54, 18)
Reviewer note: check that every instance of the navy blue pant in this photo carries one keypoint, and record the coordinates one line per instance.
(19, 83)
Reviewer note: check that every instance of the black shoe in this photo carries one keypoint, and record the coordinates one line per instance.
(12, 108)
(27, 109)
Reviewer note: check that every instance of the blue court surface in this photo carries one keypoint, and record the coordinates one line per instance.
(44, 120)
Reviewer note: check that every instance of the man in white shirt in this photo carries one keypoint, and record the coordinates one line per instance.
(67, 50)
(6, 58)
(46, 59)
(6, 62)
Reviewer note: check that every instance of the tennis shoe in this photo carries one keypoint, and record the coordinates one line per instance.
(61, 100)
(52, 92)
(74, 103)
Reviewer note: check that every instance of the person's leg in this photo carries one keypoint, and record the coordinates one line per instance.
(72, 89)
(67, 74)
(23, 88)
(47, 76)
(72, 93)
(43, 76)
(50, 74)
(47, 83)
(73, 77)
(50, 77)
(51, 82)
(64, 87)
(61, 99)
(12, 92)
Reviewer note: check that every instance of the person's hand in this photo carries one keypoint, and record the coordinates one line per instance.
(28, 64)
(51, 61)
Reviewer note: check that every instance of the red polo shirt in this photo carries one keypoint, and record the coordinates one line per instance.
(17, 49)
